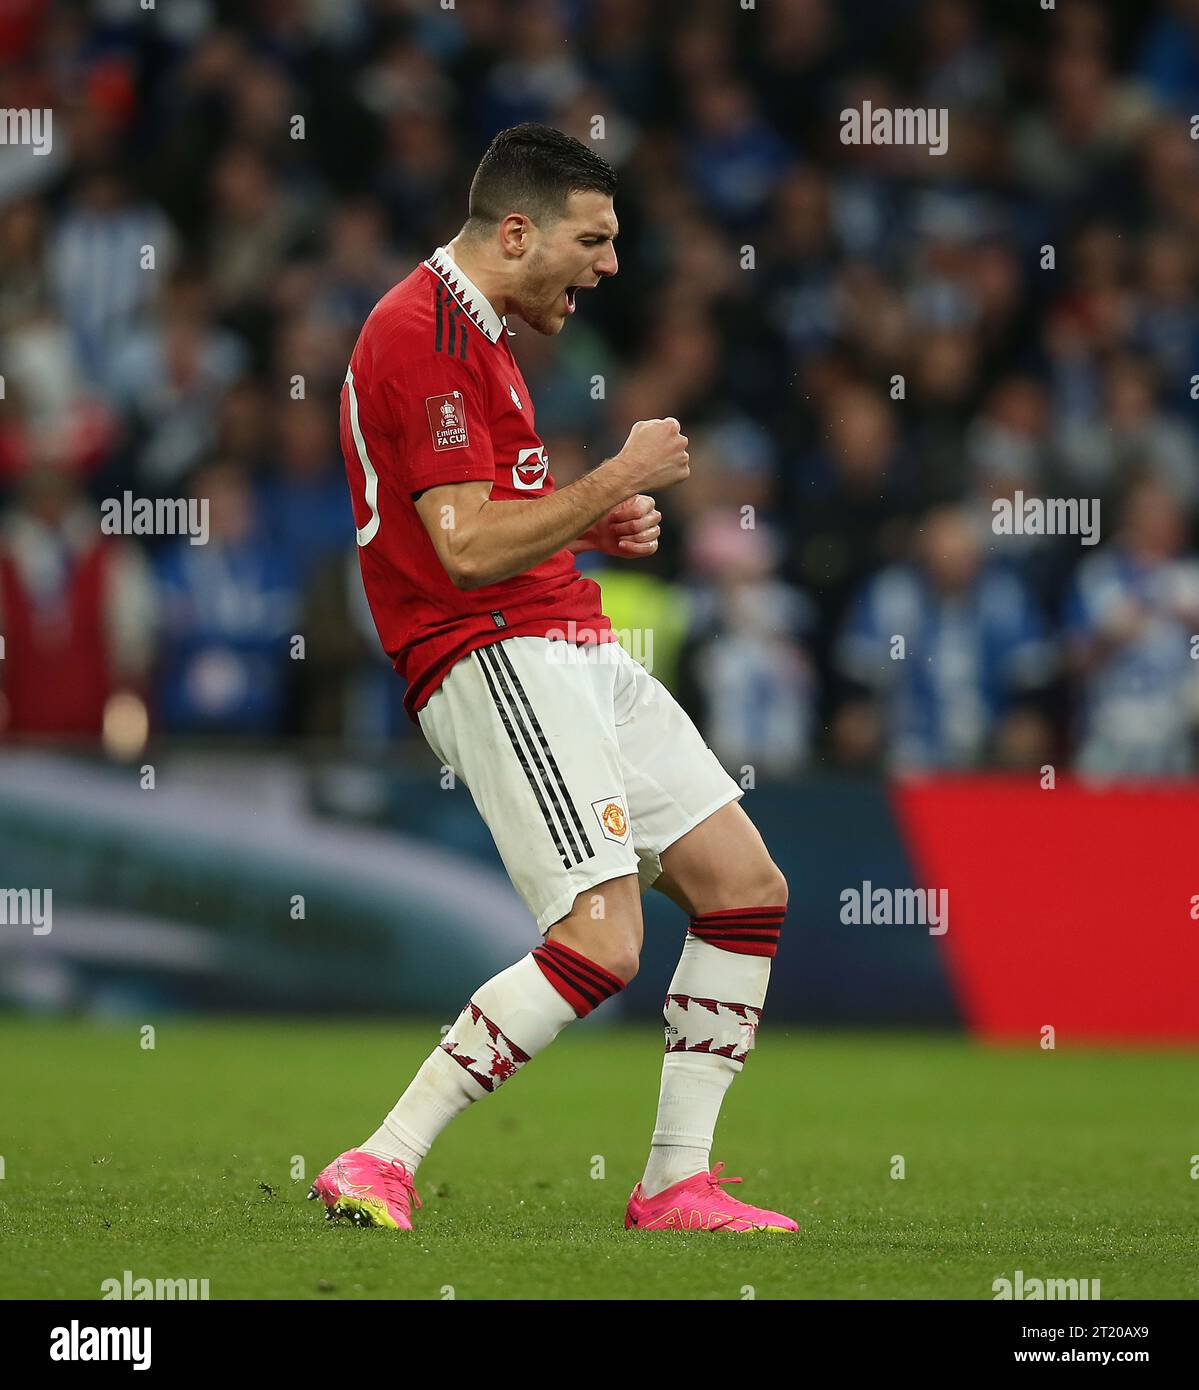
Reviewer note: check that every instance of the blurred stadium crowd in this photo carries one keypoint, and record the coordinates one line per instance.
(867, 346)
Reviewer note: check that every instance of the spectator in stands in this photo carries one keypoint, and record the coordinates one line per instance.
(108, 255)
(76, 612)
(304, 500)
(1131, 621)
(1132, 435)
(229, 608)
(947, 656)
(169, 376)
(748, 668)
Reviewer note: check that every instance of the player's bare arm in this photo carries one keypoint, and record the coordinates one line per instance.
(480, 541)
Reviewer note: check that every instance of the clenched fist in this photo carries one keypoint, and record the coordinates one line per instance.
(630, 529)
(657, 452)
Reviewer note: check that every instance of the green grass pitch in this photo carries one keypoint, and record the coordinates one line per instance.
(176, 1163)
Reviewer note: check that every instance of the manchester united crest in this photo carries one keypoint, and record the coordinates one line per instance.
(613, 818)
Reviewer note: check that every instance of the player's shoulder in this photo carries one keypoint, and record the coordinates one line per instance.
(396, 326)
(409, 332)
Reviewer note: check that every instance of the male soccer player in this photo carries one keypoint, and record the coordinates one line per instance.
(594, 783)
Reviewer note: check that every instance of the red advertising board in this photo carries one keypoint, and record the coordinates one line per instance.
(1075, 907)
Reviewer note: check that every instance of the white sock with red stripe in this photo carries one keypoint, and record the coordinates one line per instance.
(508, 1020)
(712, 1012)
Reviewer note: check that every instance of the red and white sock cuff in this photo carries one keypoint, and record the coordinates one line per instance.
(746, 931)
(583, 984)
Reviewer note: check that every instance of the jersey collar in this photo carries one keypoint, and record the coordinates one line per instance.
(469, 295)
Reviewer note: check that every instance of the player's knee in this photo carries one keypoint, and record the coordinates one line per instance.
(761, 885)
(773, 890)
(623, 965)
(630, 963)
(606, 926)
(615, 954)
(619, 958)
(613, 946)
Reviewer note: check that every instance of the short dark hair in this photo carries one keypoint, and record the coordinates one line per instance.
(533, 169)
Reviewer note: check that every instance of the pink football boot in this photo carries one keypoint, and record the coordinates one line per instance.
(370, 1191)
(700, 1204)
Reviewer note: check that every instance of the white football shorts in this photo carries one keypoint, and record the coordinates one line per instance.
(582, 763)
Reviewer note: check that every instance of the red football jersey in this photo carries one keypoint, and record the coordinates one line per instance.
(434, 395)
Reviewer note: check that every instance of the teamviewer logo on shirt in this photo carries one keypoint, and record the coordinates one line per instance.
(447, 420)
(530, 468)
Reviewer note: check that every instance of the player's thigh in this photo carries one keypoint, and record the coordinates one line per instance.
(529, 731)
(674, 781)
(722, 863)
